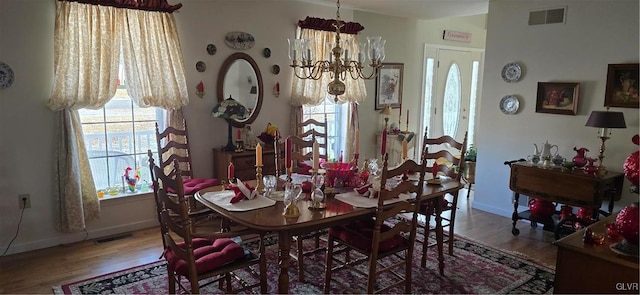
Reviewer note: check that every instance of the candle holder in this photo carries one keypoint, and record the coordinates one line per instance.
(259, 184)
(239, 146)
(318, 201)
(291, 195)
(289, 173)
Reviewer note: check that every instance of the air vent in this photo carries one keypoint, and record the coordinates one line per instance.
(113, 238)
(550, 16)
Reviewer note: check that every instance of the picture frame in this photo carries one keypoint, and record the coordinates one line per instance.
(558, 98)
(622, 86)
(389, 86)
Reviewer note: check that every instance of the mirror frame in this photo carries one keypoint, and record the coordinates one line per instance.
(222, 75)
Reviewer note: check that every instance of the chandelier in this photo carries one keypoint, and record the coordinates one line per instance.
(340, 61)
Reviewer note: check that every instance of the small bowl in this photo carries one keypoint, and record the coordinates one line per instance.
(113, 190)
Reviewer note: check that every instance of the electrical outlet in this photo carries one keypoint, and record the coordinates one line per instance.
(25, 201)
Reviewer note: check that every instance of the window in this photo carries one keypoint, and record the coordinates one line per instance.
(337, 115)
(452, 101)
(118, 136)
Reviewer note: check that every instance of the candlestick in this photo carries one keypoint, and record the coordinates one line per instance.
(356, 142)
(316, 155)
(276, 156)
(407, 121)
(259, 184)
(230, 172)
(258, 155)
(383, 144)
(287, 152)
(404, 149)
(400, 117)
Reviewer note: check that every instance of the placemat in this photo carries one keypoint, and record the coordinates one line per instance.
(354, 199)
(222, 198)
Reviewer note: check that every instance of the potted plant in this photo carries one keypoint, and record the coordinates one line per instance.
(469, 171)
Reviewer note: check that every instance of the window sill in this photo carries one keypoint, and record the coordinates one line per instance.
(122, 195)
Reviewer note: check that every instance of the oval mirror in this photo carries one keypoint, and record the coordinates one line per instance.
(240, 79)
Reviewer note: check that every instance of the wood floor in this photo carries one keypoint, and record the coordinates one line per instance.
(37, 271)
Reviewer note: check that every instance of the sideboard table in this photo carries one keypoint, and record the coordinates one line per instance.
(573, 188)
(587, 268)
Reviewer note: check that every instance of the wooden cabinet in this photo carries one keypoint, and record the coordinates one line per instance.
(244, 162)
(394, 147)
(586, 268)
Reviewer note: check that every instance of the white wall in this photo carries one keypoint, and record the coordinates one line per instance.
(596, 33)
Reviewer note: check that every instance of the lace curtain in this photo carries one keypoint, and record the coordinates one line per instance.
(313, 92)
(87, 47)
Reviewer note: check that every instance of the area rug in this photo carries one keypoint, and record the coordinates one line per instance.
(474, 269)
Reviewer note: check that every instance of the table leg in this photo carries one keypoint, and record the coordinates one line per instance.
(439, 234)
(284, 242)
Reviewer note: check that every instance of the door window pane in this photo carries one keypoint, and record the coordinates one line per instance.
(451, 102)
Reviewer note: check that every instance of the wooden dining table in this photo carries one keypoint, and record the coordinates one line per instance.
(270, 220)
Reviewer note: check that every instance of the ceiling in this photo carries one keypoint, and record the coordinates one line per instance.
(420, 9)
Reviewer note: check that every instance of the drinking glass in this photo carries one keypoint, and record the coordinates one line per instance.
(270, 182)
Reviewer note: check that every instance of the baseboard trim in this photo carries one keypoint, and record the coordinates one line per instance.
(491, 209)
(79, 236)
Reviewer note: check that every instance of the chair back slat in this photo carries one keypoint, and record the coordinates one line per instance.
(173, 144)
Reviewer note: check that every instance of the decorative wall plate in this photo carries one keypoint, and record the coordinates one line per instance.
(511, 72)
(6, 75)
(211, 49)
(509, 104)
(275, 69)
(266, 52)
(201, 66)
(239, 40)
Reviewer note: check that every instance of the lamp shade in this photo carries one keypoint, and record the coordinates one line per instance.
(229, 109)
(606, 119)
(386, 111)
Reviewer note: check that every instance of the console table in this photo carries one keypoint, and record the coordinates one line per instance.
(586, 268)
(244, 163)
(573, 188)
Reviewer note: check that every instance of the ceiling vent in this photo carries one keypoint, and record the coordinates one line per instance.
(550, 16)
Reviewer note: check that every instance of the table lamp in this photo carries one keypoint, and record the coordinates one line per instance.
(229, 109)
(387, 112)
(605, 120)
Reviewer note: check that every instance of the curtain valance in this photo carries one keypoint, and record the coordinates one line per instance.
(150, 5)
(322, 24)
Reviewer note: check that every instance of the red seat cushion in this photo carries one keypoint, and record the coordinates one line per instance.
(360, 235)
(208, 255)
(192, 185)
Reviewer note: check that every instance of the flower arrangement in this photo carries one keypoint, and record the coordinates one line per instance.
(131, 181)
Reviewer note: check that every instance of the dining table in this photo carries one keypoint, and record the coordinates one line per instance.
(270, 219)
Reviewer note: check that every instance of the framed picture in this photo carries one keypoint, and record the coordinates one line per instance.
(622, 86)
(557, 98)
(389, 86)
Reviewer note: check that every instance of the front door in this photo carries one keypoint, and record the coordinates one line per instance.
(450, 99)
